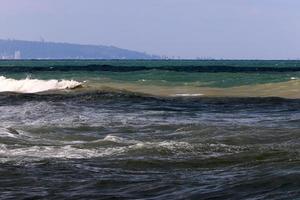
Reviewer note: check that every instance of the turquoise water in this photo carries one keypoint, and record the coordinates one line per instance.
(225, 74)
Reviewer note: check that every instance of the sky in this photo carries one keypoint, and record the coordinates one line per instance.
(221, 29)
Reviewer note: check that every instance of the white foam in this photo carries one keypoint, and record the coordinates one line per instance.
(4, 132)
(120, 140)
(188, 95)
(71, 150)
(63, 152)
(173, 146)
(35, 85)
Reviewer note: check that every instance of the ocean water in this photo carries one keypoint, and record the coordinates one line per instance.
(123, 129)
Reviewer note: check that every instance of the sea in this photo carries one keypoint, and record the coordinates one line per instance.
(149, 129)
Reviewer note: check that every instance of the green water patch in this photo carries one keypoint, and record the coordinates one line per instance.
(164, 78)
(155, 72)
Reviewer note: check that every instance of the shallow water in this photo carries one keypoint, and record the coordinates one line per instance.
(148, 135)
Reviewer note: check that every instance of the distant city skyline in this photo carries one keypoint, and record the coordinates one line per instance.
(16, 55)
(231, 29)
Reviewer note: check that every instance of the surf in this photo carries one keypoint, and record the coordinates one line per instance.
(29, 85)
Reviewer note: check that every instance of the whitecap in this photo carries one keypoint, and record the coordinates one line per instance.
(29, 85)
(8, 132)
(120, 140)
(188, 95)
(61, 152)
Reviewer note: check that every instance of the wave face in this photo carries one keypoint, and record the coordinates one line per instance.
(150, 134)
(35, 85)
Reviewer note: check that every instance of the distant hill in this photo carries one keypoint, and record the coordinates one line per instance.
(18, 49)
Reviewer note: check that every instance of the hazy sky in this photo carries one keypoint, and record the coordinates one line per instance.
(268, 29)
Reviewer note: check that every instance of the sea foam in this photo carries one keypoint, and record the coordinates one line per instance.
(35, 85)
(188, 95)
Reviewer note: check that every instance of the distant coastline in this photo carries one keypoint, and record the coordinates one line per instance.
(20, 49)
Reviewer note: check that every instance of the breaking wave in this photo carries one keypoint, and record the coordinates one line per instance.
(35, 85)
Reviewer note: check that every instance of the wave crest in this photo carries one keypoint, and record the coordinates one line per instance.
(35, 85)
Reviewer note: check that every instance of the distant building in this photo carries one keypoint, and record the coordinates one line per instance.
(5, 57)
(17, 55)
(14, 56)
